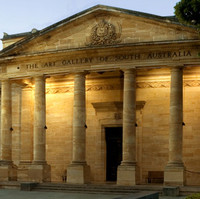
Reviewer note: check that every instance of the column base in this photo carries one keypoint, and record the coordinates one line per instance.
(78, 173)
(23, 171)
(126, 175)
(174, 175)
(38, 172)
(8, 171)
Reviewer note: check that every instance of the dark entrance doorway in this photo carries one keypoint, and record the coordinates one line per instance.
(114, 151)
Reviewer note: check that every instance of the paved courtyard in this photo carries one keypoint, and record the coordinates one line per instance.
(17, 194)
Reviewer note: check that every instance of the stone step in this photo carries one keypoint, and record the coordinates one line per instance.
(98, 188)
(91, 188)
(94, 188)
(10, 185)
(188, 190)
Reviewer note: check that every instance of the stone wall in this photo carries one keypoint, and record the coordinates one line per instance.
(191, 136)
(155, 129)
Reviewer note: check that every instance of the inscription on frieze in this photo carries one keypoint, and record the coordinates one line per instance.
(32, 66)
(110, 59)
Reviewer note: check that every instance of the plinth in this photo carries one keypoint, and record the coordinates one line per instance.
(78, 173)
(174, 175)
(39, 172)
(126, 175)
(8, 171)
(23, 171)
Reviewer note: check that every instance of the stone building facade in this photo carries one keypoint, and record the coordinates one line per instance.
(105, 95)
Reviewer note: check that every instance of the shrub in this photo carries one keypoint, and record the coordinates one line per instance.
(193, 196)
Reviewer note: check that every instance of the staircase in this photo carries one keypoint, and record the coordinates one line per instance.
(188, 190)
(95, 188)
(10, 185)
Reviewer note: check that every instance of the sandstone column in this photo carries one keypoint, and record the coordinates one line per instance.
(26, 154)
(126, 171)
(78, 171)
(40, 171)
(39, 132)
(6, 166)
(174, 171)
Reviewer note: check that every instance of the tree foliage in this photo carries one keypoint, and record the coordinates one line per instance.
(188, 12)
(193, 196)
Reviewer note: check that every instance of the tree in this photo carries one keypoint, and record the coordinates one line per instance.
(188, 12)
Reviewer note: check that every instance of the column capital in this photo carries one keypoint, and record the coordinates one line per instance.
(5, 80)
(38, 77)
(125, 69)
(129, 70)
(81, 73)
(177, 79)
(178, 66)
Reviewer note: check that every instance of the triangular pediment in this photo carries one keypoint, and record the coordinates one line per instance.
(102, 26)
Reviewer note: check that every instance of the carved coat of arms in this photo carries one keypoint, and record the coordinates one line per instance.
(104, 33)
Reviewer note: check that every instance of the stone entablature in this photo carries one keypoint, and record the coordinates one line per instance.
(108, 61)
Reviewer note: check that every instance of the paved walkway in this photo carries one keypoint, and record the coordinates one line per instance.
(17, 194)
